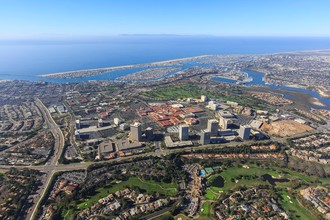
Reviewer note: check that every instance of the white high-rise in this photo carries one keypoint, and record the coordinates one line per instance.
(136, 132)
(212, 126)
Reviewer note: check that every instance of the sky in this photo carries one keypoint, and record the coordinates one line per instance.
(61, 19)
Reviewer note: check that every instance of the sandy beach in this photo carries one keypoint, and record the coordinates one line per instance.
(92, 72)
(4, 80)
(317, 102)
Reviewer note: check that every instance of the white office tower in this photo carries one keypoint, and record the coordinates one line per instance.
(100, 123)
(244, 132)
(203, 98)
(224, 122)
(205, 137)
(214, 107)
(212, 126)
(124, 127)
(136, 132)
(116, 121)
(184, 132)
(78, 124)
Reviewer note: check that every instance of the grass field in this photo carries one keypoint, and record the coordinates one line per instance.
(210, 194)
(308, 179)
(193, 91)
(234, 172)
(67, 214)
(168, 189)
(288, 202)
(206, 208)
(293, 208)
(178, 92)
(325, 181)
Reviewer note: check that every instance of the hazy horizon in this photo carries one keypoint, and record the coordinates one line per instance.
(103, 39)
(76, 19)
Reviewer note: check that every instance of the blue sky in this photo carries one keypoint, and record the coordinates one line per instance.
(49, 19)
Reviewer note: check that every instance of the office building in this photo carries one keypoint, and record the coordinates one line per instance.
(225, 119)
(244, 132)
(214, 107)
(78, 124)
(77, 134)
(224, 122)
(136, 132)
(212, 126)
(203, 98)
(149, 134)
(116, 121)
(184, 132)
(205, 137)
(100, 123)
(124, 127)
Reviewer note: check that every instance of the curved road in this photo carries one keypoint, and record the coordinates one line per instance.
(50, 165)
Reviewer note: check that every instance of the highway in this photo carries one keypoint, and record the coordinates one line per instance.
(84, 165)
(56, 131)
(53, 162)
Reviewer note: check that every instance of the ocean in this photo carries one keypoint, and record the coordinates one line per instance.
(25, 60)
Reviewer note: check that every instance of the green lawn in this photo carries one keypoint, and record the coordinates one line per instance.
(209, 194)
(292, 207)
(252, 170)
(290, 204)
(234, 172)
(168, 189)
(206, 208)
(304, 177)
(307, 179)
(213, 192)
(193, 91)
(325, 181)
(67, 214)
(207, 211)
(177, 92)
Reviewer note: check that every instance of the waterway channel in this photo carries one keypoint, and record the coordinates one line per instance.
(257, 79)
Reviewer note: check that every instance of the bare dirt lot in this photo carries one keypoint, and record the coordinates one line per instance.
(285, 128)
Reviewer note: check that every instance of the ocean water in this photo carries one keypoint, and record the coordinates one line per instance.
(25, 60)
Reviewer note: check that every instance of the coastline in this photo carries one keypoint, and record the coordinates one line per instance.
(4, 80)
(92, 72)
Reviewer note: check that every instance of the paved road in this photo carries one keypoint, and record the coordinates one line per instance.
(48, 168)
(84, 165)
(55, 129)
